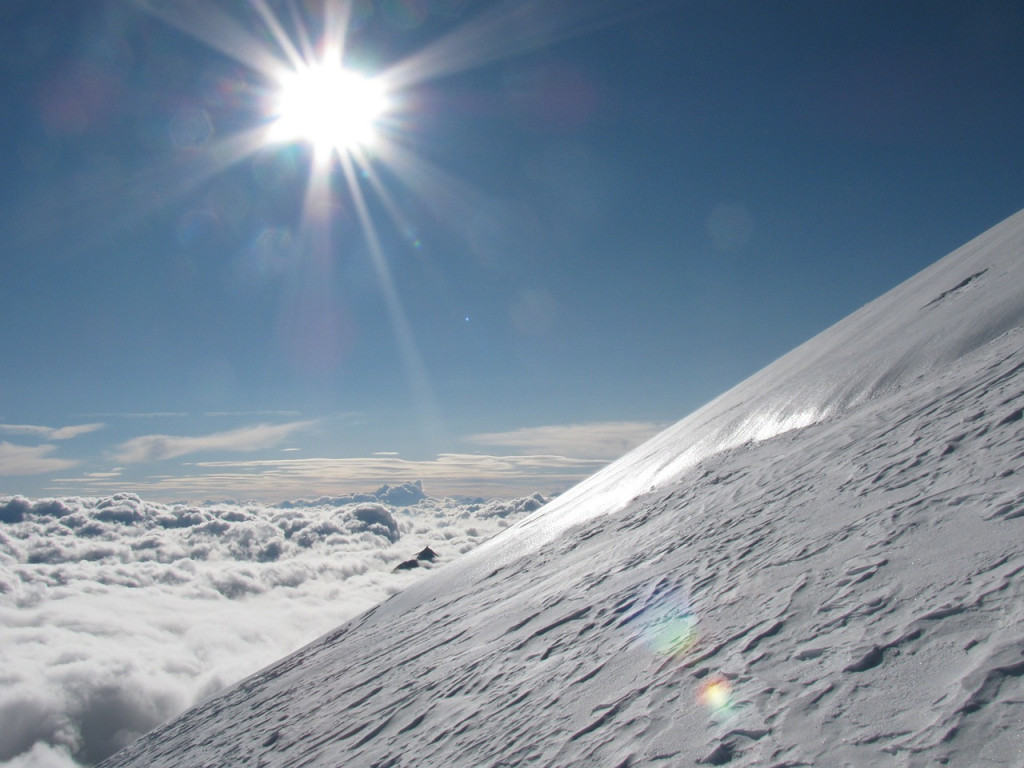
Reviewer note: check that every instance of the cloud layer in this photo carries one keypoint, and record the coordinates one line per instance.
(19, 460)
(160, 447)
(451, 474)
(273, 461)
(597, 440)
(118, 612)
(50, 433)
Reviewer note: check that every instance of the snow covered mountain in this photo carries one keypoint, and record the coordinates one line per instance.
(824, 566)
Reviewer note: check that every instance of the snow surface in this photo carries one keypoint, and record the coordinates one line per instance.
(821, 567)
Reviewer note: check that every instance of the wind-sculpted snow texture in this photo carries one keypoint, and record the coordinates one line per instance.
(827, 571)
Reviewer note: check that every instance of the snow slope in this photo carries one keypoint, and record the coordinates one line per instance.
(822, 567)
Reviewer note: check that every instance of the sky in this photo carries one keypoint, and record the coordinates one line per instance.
(573, 224)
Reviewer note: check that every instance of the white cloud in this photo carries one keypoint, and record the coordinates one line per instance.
(159, 447)
(66, 433)
(261, 414)
(51, 433)
(116, 613)
(599, 440)
(16, 460)
(136, 415)
(42, 755)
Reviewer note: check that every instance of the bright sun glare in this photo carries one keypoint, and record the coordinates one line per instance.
(330, 107)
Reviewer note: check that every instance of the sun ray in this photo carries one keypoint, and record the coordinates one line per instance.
(447, 197)
(384, 195)
(185, 178)
(278, 32)
(411, 358)
(303, 39)
(336, 21)
(204, 22)
(217, 157)
(507, 29)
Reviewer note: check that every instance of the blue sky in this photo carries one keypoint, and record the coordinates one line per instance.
(604, 214)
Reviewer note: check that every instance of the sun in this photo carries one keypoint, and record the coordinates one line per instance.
(328, 106)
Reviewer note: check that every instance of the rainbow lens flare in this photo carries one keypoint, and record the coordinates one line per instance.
(669, 626)
(715, 693)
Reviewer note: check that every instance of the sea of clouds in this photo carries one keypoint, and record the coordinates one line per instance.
(118, 613)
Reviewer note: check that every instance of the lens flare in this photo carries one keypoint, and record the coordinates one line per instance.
(715, 693)
(668, 626)
(673, 635)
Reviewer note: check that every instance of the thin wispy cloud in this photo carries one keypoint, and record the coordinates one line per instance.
(598, 440)
(50, 433)
(139, 415)
(17, 460)
(160, 447)
(260, 414)
(451, 474)
(547, 459)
